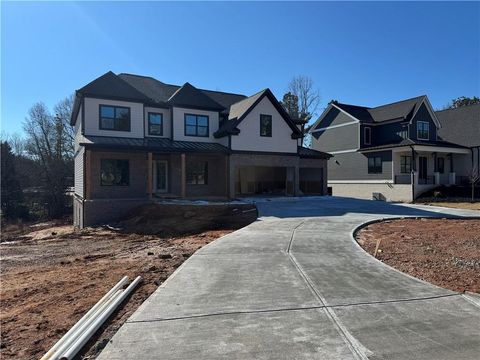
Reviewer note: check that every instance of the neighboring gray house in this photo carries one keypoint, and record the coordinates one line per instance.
(138, 139)
(396, 151)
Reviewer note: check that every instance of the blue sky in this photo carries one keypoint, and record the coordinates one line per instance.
(360, 53)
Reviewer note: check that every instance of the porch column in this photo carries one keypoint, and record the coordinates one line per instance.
(184, 176)
(150, 175)
(227, 176)
(88, 174)
(452, 176)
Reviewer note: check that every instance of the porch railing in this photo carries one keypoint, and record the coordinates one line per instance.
(403, 179)
(429, 180)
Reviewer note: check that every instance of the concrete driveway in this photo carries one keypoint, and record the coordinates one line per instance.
(294, 285)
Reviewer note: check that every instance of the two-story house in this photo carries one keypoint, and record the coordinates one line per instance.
(139, 139)
(395, 151)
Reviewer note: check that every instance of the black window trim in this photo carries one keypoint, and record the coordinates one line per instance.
(375, 169)
(403, 165)
(148, 122)
(427, 131)
(196, 126)
(114, 112)
(205, 175)
(369, 135)
(271, 125)
(121, 185)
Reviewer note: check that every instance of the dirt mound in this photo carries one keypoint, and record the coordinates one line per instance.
(180, 219)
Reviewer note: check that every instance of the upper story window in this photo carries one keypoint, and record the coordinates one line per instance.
(114, 172)
(423, 129)
(367, 135)
(266, 125)
(155, 124)
(375, 165)
(114, 118)
(196, 125)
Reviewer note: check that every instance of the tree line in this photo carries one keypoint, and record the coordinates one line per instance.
(37, 169)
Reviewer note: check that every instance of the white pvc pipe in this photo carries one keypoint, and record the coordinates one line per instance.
(48, 355)
(80, 330)
(98, 321)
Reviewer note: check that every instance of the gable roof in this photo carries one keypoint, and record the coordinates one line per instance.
(190, 96)
(400, 110)
(241, 109)
(103, 85)
(151, 91)
(460, 125)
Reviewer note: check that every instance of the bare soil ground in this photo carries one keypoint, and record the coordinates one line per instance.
(453, 204)
(444, 252)
(52, 275)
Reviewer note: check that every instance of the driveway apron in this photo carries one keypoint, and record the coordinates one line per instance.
(294, 285)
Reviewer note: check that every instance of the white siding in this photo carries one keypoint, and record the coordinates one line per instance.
(179, 125)
(78, 164)
(92, 121)
(249, 138)
(78, 130)
(167, 131)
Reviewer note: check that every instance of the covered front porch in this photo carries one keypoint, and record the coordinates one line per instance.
(427, 166)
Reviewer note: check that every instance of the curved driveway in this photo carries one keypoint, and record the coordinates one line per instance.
(294, 285)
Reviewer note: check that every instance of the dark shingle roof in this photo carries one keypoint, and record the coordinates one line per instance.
(154, 144)
(460, 125)
(189, 95)
(398, 110)
(104, 85)
(408, 142)
(304, 152)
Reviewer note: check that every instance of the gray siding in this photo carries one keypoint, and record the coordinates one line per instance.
(354, 166)
(78, 165)
(385, 134)
(422, 115)
(333, 117)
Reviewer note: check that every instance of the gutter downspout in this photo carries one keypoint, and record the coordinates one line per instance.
(414, 167)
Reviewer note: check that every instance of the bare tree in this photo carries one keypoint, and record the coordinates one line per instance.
(46, 143)
(65, 132)
(473, 179)
(303, 87)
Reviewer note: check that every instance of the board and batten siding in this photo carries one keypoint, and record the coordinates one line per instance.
(249, 138)
(354, 166)
(78, 165)
(92, 118)
(423, 115)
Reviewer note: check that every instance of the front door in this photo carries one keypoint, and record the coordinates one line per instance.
(422, 168)
(161, 176)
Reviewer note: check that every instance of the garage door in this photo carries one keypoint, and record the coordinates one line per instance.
(311, 181)
(263, 180)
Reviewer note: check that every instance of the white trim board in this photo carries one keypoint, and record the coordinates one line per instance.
(342, 151)
(360, 182)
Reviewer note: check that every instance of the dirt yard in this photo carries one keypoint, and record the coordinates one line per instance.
(453, 204)
(51, 276)
(444, 252)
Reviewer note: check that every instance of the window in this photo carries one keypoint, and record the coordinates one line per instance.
(197, 173)
(405, 164)
(423, 130)
(441, 165)
(196, 125)
(114, 118)
(155, 124)
(374, 165)
(367, 135)
(266, 125)
(114, 172)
